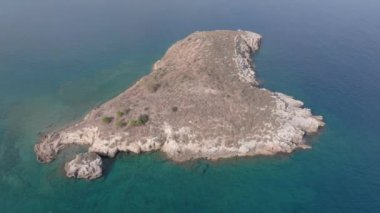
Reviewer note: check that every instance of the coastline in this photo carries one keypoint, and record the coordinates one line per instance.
(231, 53)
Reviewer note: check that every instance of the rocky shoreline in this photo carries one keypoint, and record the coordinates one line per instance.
(201, 100)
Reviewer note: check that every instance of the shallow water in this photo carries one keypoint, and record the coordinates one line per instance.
(60, 59)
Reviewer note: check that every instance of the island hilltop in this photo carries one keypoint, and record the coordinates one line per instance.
(201, 100)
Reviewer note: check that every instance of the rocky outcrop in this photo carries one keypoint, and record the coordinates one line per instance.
(201, 100)
(85, 165)
(46, 152)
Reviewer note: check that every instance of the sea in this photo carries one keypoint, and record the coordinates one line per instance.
(59, 59)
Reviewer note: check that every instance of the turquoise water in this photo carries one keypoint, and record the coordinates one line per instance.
(60, 59)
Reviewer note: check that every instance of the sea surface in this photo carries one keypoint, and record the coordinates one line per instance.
(59, 59)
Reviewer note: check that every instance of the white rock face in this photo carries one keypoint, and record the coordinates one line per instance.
(86, 166)
(203, 101)
(246, 43)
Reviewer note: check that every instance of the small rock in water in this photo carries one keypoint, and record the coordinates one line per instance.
(85, 165)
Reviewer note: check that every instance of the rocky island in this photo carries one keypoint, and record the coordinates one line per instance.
(201, 100)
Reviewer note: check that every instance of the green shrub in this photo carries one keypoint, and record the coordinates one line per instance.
(107, 119)
(121, 123)
(135, 122)
(143, 118)
(119, 113)
(174, 109)
(153, 86)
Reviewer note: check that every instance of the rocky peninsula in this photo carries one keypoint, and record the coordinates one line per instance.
(201, 100)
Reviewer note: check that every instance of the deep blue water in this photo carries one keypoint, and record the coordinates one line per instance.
(60, 59)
